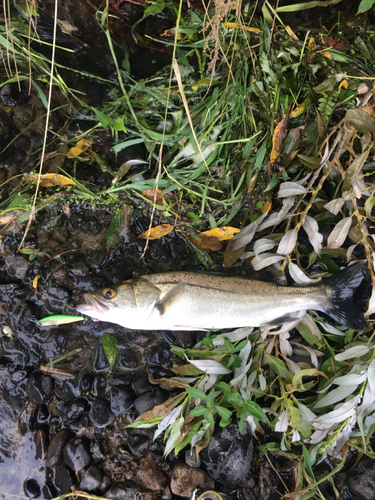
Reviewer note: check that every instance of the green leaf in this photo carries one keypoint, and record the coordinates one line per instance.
(111, 350)
(228, 345)
(196, 393)
(279, 367)
(113, 238)
(224, 413)
(306, 458)
(105, 120)
(255, 410)
(210, 399)
(365, 5)
(234, 399)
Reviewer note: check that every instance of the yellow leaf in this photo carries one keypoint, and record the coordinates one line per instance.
(343, 85)
(51, 180)
(156, 232)
(301, 108)
(311, 44)
(81, 146)
(35, 283)
(291, 33)
(243, 27)
(326, 54)
(222, 233)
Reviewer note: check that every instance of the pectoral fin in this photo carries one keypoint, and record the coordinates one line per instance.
(170, 298)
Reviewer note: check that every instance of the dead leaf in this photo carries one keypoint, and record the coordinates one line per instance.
(327, 54)
(243, 27)
(52, 180)
(301, 108)
(162, 410)
(157, 232)
(81, 146)
(35, 283)
(222, 233)
(155, 194)
(360, 120)
(278, 139)
(339, 233)
(231, 255)
(205, 242)
(288, 242)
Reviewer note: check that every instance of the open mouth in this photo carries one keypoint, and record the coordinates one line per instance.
(92, 305)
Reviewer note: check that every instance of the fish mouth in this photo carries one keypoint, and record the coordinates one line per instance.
(93, 305)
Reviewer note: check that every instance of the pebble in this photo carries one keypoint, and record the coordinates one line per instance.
(73, 409)
(148, 476)
(76, 455)
(141, 384)
(148, 400)
(125, 491)
(100, 360)
(17, 266)
(121, 401)
(192, 459)
(138, 445)
(100, 413)
(69, 390)
(39, 387)
(55, 449)
(31, 488)
(185, 480)
(63, 481)
(228, 456)
(91, 479)
(361, 481)
(160, 356)
(128, 361)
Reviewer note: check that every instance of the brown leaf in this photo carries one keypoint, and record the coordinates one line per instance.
(162, 410)
(205, 242)
(187, 370)
(278, 139)
(157, 232)
(155, 194)
(52, 180)
(222, 233)
(168, 382)
(231, 256)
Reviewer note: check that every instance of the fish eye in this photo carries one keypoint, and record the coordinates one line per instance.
(109, 293)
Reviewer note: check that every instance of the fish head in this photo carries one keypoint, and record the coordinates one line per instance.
(115, 304)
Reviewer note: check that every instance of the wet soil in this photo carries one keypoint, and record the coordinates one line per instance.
(68, 429)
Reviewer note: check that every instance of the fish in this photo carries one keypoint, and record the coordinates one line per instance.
(188, 300)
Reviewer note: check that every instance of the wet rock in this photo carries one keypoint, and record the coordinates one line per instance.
(100, 413)
(63, 480)
(138, 445)
(228, 456)
(100, 360)
(160, 356)
(39, 387)
(141, 384)
(31, 488)
(122, 491)
(41, 439)
(147, 401)
(185, 480)
(55, 449)
(99, 385)
(105, 484)
(76, 455)
(361, 481)
(123, 455)
(192, 459)
(43, 414)
(73, 410)
(148, 476)
(17, 266)
(185, 339)
(121, 401)
(69, 390)
(96, 450)
(28, 417)
(85, 384)
(92, 479)
(128, 361)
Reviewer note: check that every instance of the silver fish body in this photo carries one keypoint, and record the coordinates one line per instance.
(197, 301)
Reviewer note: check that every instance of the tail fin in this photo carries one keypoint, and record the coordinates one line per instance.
(344, 285)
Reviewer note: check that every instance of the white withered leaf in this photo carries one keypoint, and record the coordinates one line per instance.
(246, 235)
(288, 242)
(353, 352)
(290, 189)
(312, 229)
(341, 413)
(371, 377)
(339, 233)
(210, 366)
(334, 206)
(299, 276)
(351, 379)
(263, 245)
(265, 259)
(335, 396)
(288, 203)
(282, 422)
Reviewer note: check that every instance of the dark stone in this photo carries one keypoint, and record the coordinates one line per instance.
(138, 445)
(100, 360)
(76, 455)
(54, 453)
(121, 401)
(99, 385)
(160, 356)
(123, 455)
(18, 375)
(63, 480)
(100, 413)
(86, 382)
(96, 450)
(31, 488)
(122, 491)
(361, 480)
(92, 479)
(128, 361)
(147, 401)
(185, 480)
(185, 340)
(74, 409)
(17, 266)
(39, 387)
(228, 456)
(141, 383)
(43, 414)
(192, 459)
(69, 390)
